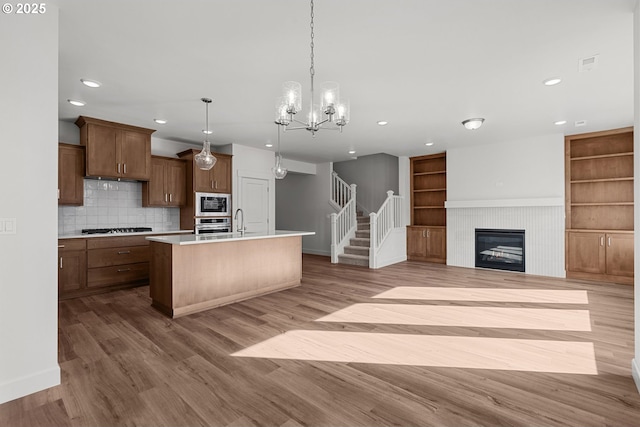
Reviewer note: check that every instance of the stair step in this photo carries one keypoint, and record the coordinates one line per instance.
(356, 250)
(362, 226)
(354, 260)
(363, 219)
(363, 234)
(359, 241)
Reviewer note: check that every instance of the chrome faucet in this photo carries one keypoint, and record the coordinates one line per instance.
(241, 227)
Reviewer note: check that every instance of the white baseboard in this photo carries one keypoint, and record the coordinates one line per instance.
(316, 252)
(390, 261)
(23, 386)
(635, 372)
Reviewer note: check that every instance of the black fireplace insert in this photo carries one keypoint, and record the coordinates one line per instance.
(500, 249)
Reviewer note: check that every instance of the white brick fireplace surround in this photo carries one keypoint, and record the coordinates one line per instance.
(542, 220)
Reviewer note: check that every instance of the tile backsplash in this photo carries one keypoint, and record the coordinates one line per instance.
(110, 204)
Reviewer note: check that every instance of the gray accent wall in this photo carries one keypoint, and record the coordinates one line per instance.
(302, 204)
(374, 175)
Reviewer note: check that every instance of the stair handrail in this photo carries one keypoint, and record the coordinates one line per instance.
(343, 225)
(388, 217)
(341, 192)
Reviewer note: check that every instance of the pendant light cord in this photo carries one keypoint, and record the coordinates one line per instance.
(312, 70)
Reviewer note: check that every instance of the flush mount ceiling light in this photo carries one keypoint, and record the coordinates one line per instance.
(160, 121)
(383, 122)
(473, 124)
(90, 83)
(560, 122)
(552, 81)
(76, 102)
(331, 109)
(204, 159)
(278, 170)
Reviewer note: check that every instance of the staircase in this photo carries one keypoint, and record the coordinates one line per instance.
(357, 252)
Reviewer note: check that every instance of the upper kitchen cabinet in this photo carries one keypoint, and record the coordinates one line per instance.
(168, 183)
(216, 180)
(70, 174)
(115, 150)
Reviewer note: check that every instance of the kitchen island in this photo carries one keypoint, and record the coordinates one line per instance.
(192, 273)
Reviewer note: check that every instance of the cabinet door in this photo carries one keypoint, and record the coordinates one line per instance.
(416, 242)
(586, 252)
(203, 180)
(134, 155)
(70, 175)
(72, 270)
(222, 175)
(101, 151)
(620, 254)
(437, 244)
(176, 182)
(153, 192)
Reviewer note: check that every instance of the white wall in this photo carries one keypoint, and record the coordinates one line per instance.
(302, 203)
(636, 149)
(519, 169)
(28, 258)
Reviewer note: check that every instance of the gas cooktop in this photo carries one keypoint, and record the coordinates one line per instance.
(115, 230)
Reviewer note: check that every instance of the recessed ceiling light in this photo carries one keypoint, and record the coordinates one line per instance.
(428, 144)
(76, 102)
(268, 145)
(207, 132)
(90, 83)
(383, 122)
(560, 122)
(552, 81)
(579, 123)
(352, 151)
(473, 124)
(160, 121)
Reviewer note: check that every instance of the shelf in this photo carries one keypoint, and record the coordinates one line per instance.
(428, 207)
(584, 181)
(429, 190)
(604, 204)
(429, 173)
(603, 156)
(590, 230)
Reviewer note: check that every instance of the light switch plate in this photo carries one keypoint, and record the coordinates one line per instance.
(7, 226)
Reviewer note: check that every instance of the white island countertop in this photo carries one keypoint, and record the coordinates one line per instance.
(192, 239)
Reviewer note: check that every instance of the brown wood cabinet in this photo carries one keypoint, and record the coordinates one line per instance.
(115, 150)
(427, 244)
(599, 205)
(72, 265)
(167, 183)
(70, 174)
(216, 180)
(426, 237)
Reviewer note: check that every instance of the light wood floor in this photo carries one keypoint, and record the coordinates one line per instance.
(351, 347)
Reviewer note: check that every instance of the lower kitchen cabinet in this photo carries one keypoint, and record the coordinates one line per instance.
(427, 244)
(600, 256)
(72, 265)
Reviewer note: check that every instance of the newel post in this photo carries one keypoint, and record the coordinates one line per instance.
(373, 236)
(334, 237)
(354, 219)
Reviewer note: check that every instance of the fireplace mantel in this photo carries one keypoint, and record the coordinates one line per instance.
(504, 203)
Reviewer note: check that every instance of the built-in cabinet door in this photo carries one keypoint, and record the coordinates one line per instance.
(222, 175)
(437, 243)
(135, 154)
(70, 175)
(416, 242)
(101, 153)
(175, 181)
(619, 254)
(587, 252)
(203, 179)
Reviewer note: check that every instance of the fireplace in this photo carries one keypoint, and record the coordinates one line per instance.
(500, 249)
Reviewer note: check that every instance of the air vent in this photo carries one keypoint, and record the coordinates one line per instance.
(588, 63)
(579, 123)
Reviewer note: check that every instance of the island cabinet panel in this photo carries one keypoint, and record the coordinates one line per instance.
(189, 278)
(167, 184)
(115, 150)
(70, 174)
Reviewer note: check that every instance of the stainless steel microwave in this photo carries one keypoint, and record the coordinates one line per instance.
(213, 204)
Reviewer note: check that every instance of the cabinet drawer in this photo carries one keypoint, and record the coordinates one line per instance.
(117, 256)
(106, 276)
(115, 242)
(72, 244)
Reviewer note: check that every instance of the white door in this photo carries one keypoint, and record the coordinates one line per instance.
(254, 201)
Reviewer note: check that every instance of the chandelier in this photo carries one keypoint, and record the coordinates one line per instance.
(204, 159)
(330, 111)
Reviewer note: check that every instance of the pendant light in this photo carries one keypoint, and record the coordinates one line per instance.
(278, 171)
(205, 160)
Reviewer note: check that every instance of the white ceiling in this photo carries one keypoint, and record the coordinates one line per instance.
(422, 65)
